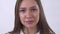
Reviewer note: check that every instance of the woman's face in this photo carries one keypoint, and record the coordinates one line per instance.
(29, 13)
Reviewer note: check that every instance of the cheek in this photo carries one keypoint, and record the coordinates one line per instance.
(21, 17)
(36, 17)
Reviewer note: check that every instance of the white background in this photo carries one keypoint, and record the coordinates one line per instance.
(51, 9)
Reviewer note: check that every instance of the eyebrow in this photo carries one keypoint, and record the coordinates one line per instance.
(22, 8)
(25, 7)
(33, 7)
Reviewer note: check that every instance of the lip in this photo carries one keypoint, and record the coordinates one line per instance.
(29, 22)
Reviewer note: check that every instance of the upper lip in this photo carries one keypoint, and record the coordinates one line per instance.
(29, 20)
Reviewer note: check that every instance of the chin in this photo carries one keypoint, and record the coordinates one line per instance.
(29, 26)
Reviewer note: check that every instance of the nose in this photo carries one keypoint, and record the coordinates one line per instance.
(28, 14)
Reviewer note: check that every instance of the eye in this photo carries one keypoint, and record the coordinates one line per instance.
(22, 11)
(34, 9)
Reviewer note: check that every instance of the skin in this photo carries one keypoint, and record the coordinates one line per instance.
(29, 16)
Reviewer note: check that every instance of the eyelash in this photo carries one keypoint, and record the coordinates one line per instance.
(33, 9)
(25, 10)
(22, 10)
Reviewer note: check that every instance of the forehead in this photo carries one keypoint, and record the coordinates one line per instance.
(28, 3)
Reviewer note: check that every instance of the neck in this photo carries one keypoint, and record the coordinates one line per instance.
(30, 30)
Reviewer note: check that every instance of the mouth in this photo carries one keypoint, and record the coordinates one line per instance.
(29, 21)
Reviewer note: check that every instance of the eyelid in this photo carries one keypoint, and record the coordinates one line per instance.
(22, 11)
(33, 9)
(22, 8)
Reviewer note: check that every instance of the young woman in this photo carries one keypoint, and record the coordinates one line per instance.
(30, 19)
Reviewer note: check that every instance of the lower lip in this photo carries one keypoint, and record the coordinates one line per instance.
(29, 22)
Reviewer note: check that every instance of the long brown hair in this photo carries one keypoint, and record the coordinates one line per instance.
(42, 25)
